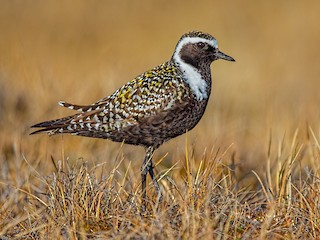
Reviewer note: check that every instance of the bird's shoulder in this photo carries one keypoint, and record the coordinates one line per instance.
(150, 89)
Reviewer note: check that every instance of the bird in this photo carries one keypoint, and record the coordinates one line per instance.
(156, 106)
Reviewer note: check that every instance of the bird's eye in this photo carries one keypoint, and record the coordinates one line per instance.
(200, 44)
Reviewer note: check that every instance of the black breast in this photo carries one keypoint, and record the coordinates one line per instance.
(164, 126)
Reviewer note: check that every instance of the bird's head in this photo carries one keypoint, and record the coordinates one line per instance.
(195, 48)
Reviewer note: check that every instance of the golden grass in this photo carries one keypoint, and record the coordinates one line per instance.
(250, 169)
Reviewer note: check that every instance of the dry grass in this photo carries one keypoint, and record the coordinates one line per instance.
(249, 170)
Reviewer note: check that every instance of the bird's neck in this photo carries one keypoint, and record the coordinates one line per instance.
(198, 78)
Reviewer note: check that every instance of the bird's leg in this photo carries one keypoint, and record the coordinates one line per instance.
(147, 166)
(144, 173)
(154, 180)
(145, 170)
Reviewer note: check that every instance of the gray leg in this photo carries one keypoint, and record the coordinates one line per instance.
(144, 172)
(147, 166)
(154, 180)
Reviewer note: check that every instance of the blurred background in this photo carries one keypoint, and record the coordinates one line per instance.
(82, 51)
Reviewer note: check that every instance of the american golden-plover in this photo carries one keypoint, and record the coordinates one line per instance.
(154, 107)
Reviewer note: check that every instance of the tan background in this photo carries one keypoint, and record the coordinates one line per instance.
(82, 51)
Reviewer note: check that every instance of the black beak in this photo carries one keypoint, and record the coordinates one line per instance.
(221, 55)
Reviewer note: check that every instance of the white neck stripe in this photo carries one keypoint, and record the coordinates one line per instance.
(191, 75)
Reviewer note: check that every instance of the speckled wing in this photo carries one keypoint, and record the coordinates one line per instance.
(153, 93)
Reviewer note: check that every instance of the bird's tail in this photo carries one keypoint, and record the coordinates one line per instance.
(61, 125)
(79, 124)
(71, 106)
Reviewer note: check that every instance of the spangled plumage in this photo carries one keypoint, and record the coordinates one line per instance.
(131, 113)
(156, 106)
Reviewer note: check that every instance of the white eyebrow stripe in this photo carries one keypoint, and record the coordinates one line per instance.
(213, 43)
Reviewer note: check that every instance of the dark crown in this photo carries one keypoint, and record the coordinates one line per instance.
(197, 34)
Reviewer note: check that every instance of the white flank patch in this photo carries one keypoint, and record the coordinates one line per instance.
(197, 84)
(169, 105)
(117, 125)
(125, 114)
(96, 119)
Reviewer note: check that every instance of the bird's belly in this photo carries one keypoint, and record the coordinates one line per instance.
(160, 128)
